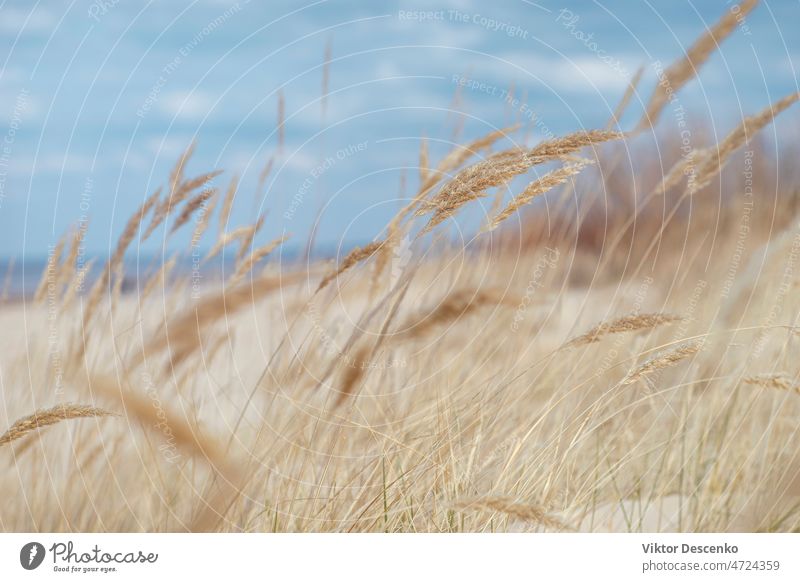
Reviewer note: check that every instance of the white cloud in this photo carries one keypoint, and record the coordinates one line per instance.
(586, 74)
(591, 73)
(66, 163)
(186, 105)
(169, 146)
(16, 20)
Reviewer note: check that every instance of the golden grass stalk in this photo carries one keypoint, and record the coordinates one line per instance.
(626, 324)
(95, 297)
(685, 69)
(67, 271)
(714, 159)
(497, 204)
(778, 381)
(678, 171)
(159, 278)
(77, 282)
(177, 173)
(131, 228)
(662, 360)
(203, 221)
(175, 179)
(191, 206)
(156, 219)
(114, 264)
(168, 424)
(50, 274)
(141, 409)
(352, 373)
(189, 186)
(247, 264)
(262, 177)
(536, 188)
(471, 184)
(243, 233)
(176, 197)
(355, 256)
(248, 236)
(626, 98)
(391, 315)
(48, 417)
(460, 154)
(569, 144)
(451, 162)
(384, 254)
(455, 306)
(521, 511)
(395, 229)
(183, 334)
(227, 205)
(499, 169)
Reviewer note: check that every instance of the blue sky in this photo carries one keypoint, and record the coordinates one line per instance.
(98, 99)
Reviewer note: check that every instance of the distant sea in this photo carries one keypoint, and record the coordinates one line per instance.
(19, 278)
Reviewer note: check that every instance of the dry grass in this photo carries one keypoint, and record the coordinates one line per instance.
(711, 161)
(684, 70)
(537, 188)
(114, 265)
(48, 417)
(172, 426)
(629, 323)
(777, 381)
(461, 154)
(353, 258)
(444, 389)
(451, 309)
(192, 206)
(227, 205)
(521, 511)
(246, 265)
(183, 335)
(352, 373)
(499, 169)
(50, 271)
(248, 237)
(626, 99)
(662, 361)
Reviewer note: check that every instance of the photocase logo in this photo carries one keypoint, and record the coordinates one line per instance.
(31, 555)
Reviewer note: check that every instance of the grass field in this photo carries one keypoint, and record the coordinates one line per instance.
(615, 349)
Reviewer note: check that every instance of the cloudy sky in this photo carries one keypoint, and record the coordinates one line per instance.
(98, 99)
